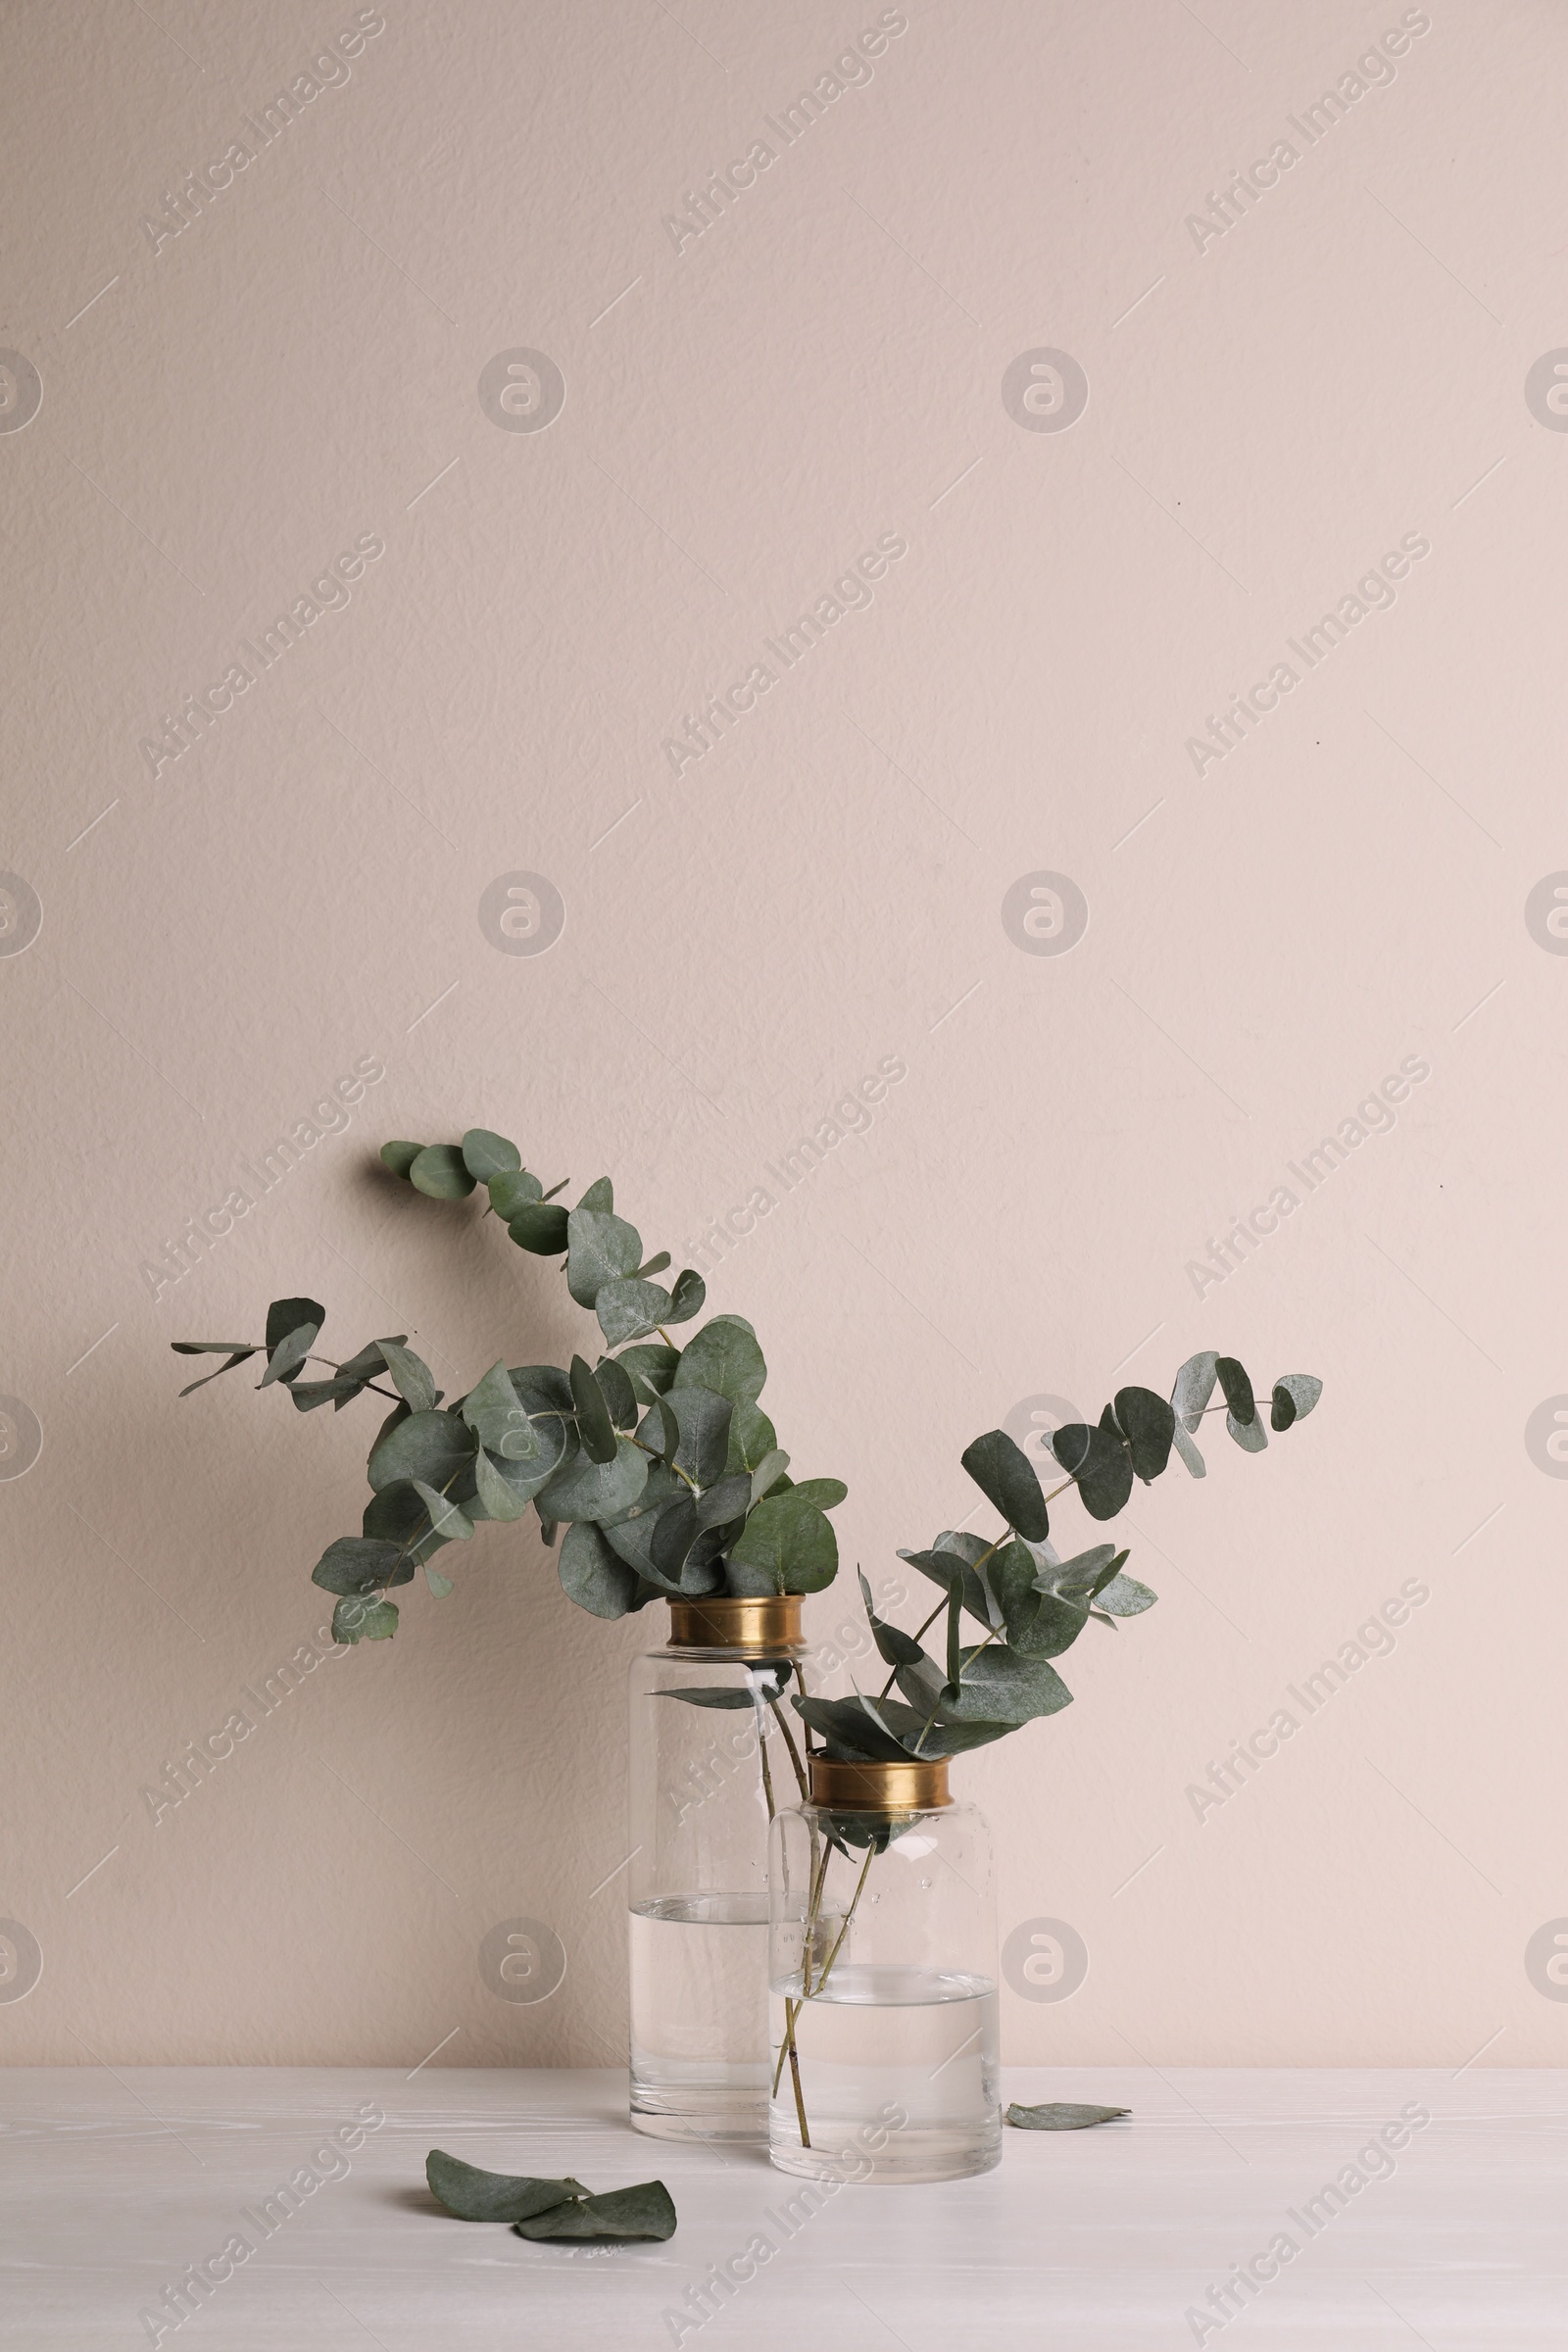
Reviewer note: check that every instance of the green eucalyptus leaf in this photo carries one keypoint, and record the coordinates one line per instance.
(1187, 1450)
(627, 1308)
(1040, 1623)
(1124, 1596)
(725, 1357)
(540, 1228)
(1295, 1395)
(240, 1355)
(751, 1438)
(479, 2196)
(619, 1395)
(788, 1542)
(1237, 1388)
(600, 1249)
(400, 1157)
(485, 1154)
(1058, 2115)
(439, 1585)
(650, 1368)
(289, 1354)
(501, 1502)
(512, 1190)
(1098, 1459)
(858, 1729)
(445, 1517)
(359, 1564)
(440, 1174)
(411, 1376)
(703, 1418)
(1250, 1436)
(431, 1446)
(593, 1426)
(1193, 1386)
(215, 1347)
(826, 1493)
(952, 1572)
(600, 1196)
(769, 1470)
(593, 1576)
(688, 1295)
(729, 1499)
(598, 1490)
(654, 1265)
(544, 1391)
(642, 2212)
(492, 1411)
(996, 1686)
(1149, 1425)
(355, 1620)
(1007, 1478)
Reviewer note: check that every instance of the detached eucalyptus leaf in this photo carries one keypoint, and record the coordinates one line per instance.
(400, 1157)
(439, 1173)
(644, 2212)
(1058, 2116)
(473, 2195)
(485, 1154)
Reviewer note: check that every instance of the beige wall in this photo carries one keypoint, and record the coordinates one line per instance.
(1271, 934)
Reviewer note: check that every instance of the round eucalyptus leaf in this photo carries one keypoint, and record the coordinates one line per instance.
(427, 1446)
(440, 1173)
(540, 1226)
(485, 1154)
(593, 1576)
(400, 1157)
(511, 1190)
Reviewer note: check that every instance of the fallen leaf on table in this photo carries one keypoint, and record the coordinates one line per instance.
(1057, 2117)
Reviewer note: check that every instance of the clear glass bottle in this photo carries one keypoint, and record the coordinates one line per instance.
(715, 1750)
(882, 1969)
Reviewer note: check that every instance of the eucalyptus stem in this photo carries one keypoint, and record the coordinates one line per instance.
(795, 1753)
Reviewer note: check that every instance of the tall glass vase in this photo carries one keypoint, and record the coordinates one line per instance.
(716, 1750)
(883, 1980)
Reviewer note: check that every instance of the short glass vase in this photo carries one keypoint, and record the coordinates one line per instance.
(715, 1750)
(882, 1973)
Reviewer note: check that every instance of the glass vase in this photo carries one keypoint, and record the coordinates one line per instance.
(882, 1968)
(714, 1751)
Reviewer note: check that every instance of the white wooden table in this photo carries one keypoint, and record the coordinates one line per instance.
(117, 2184)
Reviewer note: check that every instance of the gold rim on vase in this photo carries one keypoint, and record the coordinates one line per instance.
(913, 1788)
(761, 1627)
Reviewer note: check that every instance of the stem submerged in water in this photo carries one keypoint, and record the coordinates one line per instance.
(792, 2009)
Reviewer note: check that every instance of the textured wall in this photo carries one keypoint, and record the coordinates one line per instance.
(1331, 394)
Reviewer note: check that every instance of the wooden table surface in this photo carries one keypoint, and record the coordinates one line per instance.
(118, 2183)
